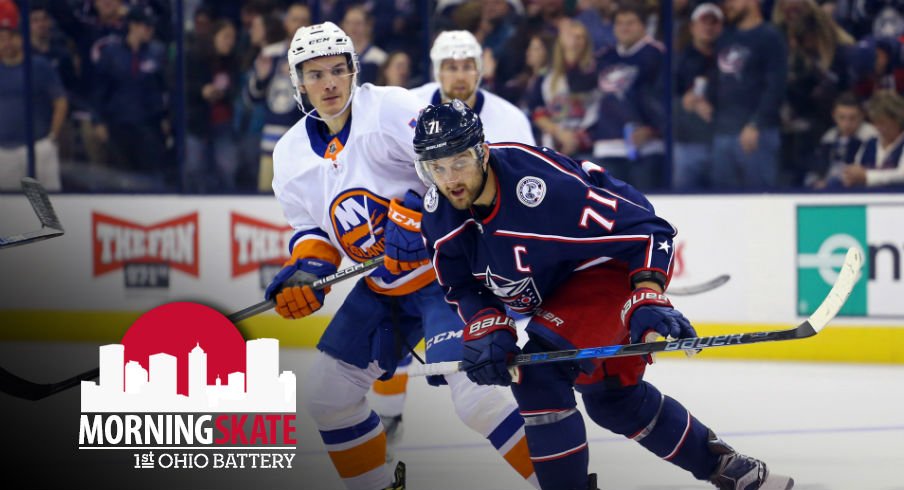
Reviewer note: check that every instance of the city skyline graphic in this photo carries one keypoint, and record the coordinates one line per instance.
(126, 386)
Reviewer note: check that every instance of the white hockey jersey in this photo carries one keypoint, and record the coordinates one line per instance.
(502, 121)
(335, 191)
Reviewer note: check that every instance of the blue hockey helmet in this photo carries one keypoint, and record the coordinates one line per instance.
(446, 130)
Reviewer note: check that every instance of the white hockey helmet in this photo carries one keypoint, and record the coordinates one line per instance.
(316, 41)
(457, 45)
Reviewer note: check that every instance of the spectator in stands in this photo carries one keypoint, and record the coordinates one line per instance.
(49, 43)
(270, 83)
(201, 28)
(358, 24)
(749, 89)
(540, 17)
(248, 122)
(880, 162)
(596, 15)
(878, 64)
(298, 15)
(497, 24)
(559, 103)
(49, 108)
(816, 75)
(537, 59)
(130, 92)
(692, 127)
(90, 32)
(396, 70)
(627, 133)
(211, 83)
(840, 144)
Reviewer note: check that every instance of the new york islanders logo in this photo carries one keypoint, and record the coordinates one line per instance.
(521, 296)
(359, 217)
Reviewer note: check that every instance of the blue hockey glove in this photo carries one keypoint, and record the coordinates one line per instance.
(405, 249)
(648, 314)
(490, 342)
(292, 291)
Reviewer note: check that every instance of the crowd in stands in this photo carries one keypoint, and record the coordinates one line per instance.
(765, 94)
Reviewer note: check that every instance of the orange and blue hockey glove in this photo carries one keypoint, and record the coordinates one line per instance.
(405, 248)
(292, 291)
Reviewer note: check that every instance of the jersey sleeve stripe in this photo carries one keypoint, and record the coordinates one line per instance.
(566, 239)
(541, 156)
(311, 233)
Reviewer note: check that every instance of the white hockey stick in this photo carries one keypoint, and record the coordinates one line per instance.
(40, 202)
(831, 305)
(698, 288)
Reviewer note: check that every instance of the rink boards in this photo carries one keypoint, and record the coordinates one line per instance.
(122, 255)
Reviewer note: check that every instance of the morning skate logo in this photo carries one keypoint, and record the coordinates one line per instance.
(521, 296)
(145, 253)
(824, 233)
(184, 390)
(258, 246)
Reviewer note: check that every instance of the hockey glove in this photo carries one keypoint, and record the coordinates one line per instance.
(405, 249)
(489, 344)
(292, 291)
(649, 314)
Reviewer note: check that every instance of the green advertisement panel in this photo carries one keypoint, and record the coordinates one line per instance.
(824, 233)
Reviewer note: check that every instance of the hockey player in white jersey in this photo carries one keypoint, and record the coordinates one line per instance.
(457, 69)
(344, 178)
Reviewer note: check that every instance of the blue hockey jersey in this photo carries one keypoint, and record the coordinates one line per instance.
(552, 217)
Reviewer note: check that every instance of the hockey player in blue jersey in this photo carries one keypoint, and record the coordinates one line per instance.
(511, 225)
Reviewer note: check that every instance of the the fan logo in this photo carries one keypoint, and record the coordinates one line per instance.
(146, 253)
(184, 381)
(258, 246)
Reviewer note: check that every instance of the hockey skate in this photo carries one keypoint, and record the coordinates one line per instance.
(392, 424)
(398, 482)
(739, 472)
(591, 482)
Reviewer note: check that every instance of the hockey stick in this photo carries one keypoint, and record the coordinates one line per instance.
(22, 388)
(321, 283)
(699, 288)
(40, 203)
(831, 305)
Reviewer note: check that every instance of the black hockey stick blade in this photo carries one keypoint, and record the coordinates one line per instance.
(831, 305)
(698, 288)
(40, 203)
(22, 388)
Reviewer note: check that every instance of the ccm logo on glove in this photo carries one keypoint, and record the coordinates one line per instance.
(410, 222)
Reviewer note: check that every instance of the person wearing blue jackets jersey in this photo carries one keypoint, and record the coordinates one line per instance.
(627, 132)
(526, 228)
(457, 68)
(343, 177)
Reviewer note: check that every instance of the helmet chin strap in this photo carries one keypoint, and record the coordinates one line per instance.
(486, 171)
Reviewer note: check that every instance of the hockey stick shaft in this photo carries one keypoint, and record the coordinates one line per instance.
(829, 308)
(698, 288)
(321, 283)
(22, 388)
